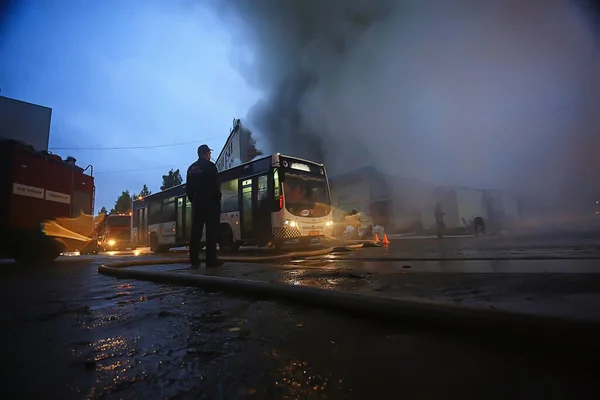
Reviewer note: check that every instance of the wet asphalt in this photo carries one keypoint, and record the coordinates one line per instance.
(71, 333)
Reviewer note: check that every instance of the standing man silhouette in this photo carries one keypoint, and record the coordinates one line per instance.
(204, 192)
(439, 219)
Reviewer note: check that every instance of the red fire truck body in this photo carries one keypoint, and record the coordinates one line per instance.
(45, 204)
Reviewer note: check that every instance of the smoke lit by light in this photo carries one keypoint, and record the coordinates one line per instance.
(496, 94)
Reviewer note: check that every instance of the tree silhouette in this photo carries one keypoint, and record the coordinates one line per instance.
(123, 203)
(173, 178)
(143, 193)
(103, 210)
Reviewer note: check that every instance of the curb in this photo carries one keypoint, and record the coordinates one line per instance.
(279, 257)
(508, 327)
(489, 258)
(354, 246)
(249, 259)
(349, 242)
(347, 248)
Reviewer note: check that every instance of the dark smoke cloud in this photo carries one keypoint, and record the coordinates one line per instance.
(7, 7)
(295, 47)
(490, 94)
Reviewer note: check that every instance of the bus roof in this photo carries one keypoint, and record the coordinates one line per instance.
(299, 159)
(272, 156)
(275, 162)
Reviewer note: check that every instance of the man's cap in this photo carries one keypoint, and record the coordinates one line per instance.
(203, 149)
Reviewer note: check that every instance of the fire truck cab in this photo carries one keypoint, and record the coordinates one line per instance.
(114, 232)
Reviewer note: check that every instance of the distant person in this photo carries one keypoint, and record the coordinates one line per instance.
(479, 225)
(339, 226)
(204, 192)
(439, 219)
(353, 218)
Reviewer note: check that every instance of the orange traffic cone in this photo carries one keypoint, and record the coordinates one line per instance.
(376, 238)
(385, 239)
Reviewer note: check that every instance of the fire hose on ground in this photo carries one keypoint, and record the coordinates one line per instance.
(506, 327)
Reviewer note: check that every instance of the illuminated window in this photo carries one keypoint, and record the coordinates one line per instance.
(301, 167)
(229, 201)
(276, 185)
(168, 210)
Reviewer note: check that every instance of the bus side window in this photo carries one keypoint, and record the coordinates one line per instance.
(154, 212)
(188, 217)
(168, 210)
(262, 188)
(229, 201)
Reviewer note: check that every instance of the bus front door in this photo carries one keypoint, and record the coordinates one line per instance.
(180, 221)
(256, 209)
(246, 219)
(262, 210)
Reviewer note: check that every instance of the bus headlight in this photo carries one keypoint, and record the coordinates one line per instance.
(328, 223)
(111, 242)
(289, 223)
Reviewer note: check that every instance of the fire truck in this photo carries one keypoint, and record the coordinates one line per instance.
(113, 231)
(46, 204)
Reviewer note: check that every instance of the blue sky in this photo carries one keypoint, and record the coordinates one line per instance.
(123, 74)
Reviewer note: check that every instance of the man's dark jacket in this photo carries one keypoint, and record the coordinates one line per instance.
(202, 184)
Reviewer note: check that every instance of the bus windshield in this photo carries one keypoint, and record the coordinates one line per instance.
(306, 194)
(121, 220)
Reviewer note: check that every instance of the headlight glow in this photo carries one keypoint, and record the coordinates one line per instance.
(111, 242)
(289, 223)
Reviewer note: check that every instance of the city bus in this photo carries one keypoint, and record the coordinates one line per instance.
(266, 202)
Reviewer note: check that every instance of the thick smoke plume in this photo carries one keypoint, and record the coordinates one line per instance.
(488, 94)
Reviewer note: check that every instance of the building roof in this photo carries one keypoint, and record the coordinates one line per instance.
(25, 102)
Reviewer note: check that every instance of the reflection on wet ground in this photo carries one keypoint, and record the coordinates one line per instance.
(488, 247)
(74, 333)
(557, 288)
(572, 266)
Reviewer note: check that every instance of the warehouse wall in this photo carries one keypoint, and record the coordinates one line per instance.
(27, 122)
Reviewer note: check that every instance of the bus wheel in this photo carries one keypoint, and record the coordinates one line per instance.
(227, 243)
(164, 249)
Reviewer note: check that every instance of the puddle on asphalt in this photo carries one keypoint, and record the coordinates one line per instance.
(101, 306)
(131, 301)
(108, 304)
(120, 294)
(299, 379)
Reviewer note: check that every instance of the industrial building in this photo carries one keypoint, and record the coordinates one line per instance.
(239, 148)
(407, 205)
(25, 122)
